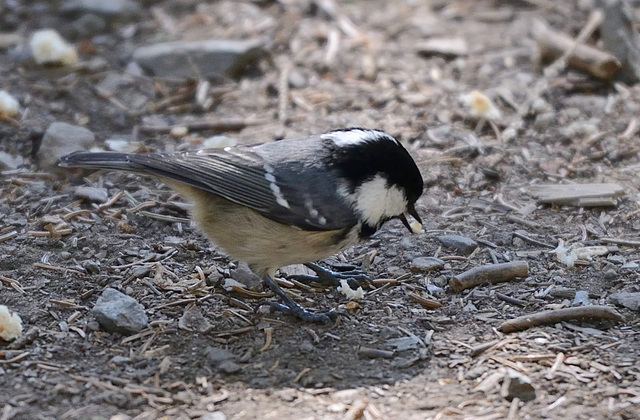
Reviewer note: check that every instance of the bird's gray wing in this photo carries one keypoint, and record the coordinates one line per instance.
(288, 190)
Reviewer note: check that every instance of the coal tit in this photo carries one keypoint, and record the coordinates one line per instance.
(286, 202)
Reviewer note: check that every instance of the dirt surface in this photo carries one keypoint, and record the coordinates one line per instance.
(210, 353)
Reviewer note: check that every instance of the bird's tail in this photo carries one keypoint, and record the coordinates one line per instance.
(101, 160)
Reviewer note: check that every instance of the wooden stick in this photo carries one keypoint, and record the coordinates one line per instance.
(427, 303)
(492, 273)
(226, 124)
(553, 45)
(558, 315)
(619, 36)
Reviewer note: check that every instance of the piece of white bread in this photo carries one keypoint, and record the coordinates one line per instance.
(10, 324)
(48, 47)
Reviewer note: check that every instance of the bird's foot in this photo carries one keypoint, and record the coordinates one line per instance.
(354, 277)
(291, 307)
(305, 315)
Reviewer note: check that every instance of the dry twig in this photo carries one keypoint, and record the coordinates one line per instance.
(564, 49)
(492, 273)
(558, 315)
(426, 302)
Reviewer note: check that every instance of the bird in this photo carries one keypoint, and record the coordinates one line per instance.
(291, 201)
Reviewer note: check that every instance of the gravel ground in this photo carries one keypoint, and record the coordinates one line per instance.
(415, 346)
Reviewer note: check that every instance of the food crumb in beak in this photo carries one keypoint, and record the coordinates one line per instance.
(416, 227)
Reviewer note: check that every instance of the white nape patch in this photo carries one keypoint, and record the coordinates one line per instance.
(275, 189)
(355, 136)
(375, 200)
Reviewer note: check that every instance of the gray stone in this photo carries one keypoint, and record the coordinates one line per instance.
(616, 259)
(128, 89)
(389, 332)
(627, 299)
(460, 243)
(8, 161)
(517, 385)
(229, 366)
(93, 194)
(581, 298)
(217, 355)
(435, 289)
(91, 267)
(297, 80)
(210, 58)
(120, 360)
(544, 121)
(502, 238)
(117, 312)
(111, 9)
(404, 343)
(59, 140)
(247, 277)
(222, 360)
(306, 346)
(216, 415)
(88, 25)
(610, 274)
(193, 320)
(426, 264)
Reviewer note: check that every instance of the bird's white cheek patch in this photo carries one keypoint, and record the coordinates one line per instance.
(376, 201)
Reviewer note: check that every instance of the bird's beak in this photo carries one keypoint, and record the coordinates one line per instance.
(413, 227)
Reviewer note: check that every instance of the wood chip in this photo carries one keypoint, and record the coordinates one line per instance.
(268, 332)
(426, 302)
(448, 47)
(582, 195)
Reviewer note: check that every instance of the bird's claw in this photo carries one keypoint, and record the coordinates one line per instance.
(307, 316)
(354, 277)
(289, 306)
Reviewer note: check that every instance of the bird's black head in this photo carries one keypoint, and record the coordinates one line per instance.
(380, 179)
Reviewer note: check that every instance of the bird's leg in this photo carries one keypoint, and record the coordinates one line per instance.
(292, 307)
(354, 277)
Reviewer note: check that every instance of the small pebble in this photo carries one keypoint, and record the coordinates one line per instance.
(59, 140)
(117, 312)
(581, 298)
(219, 142)
(179, 131)
(9, 106)
(517, 385)
(216, 415)
(460, 243)
(247, 278)
(297, 80)
(426, 264)
(217, 355)
(119, 360)
(627, 299)
(91, 267)
(93, 194)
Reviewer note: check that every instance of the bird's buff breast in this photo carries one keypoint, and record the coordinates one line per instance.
(265, 245)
